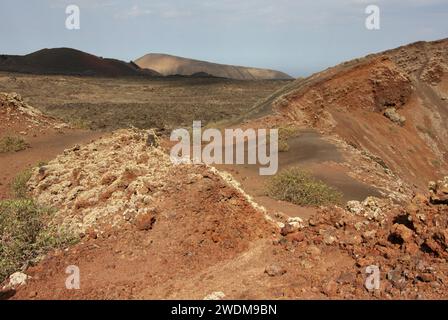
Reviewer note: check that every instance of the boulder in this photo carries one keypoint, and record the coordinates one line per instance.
(394, 116)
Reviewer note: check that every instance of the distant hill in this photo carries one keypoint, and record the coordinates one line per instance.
(68, 61)
(172, 65)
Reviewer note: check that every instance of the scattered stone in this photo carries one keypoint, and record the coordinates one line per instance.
(359, 225)
(287, 229)
(296, 223)
(274, 270)
(152, 140)
(17, 279)
(293, 224)
(426, 277)
(92, 234)
(346, 278)
(439, 191)
(432, 186)
(396, 278)
(296, 237)
(402, 232)
(145, 222)
(61, 126)
(329, 239)
(330, 288)
(394, 116)
(368, 235)
(218, 295)
(354, 207)
(306, 264)
(313, 251)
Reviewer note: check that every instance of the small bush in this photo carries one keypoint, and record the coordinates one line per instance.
(41, 164)
(283, 145)
(284, 133)
(78, 123)
(299, 187)
(24, 234)
(18, 185)
(12, 144)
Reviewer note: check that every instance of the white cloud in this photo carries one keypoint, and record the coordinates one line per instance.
(133, 12)
(89, 4)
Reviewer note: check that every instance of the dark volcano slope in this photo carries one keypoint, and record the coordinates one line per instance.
(66, 61)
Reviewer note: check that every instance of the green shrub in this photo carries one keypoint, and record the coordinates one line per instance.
(12, 144)
(41, 164)
(25, 235)
(284, 133)
(78, 123)
(18, 185)
(299, 187)
(283, 145)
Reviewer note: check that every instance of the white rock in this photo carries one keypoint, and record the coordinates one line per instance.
(17, 279)
(218, 295)
(296, 223)
(355, 207)
(61, 126)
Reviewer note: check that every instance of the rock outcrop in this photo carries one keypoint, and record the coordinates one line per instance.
(15, 111)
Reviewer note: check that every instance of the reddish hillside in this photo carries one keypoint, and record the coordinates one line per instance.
(392, 105)
(70, 62)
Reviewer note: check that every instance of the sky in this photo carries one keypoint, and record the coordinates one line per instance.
(298, 37)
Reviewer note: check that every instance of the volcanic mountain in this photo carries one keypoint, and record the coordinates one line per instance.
(68, 61)
(391, 106)
(172, 65)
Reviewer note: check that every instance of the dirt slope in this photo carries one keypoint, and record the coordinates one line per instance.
(66, 61)
(393, 105)
(153, 230)
(172, 65)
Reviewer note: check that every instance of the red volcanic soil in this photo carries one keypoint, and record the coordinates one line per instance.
(354, 101)
(200, 244)
(43, 146)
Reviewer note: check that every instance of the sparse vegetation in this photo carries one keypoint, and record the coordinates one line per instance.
(41, 164)
(12, 144)
(284, 133)
(24, 234)
(109, 104)
(24, 230)
(79, 124)
(18, 185)
(299, 187)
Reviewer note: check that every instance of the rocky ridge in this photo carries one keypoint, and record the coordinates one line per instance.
(15, 111)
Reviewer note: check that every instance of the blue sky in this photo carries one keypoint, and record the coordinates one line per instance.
(295, 36)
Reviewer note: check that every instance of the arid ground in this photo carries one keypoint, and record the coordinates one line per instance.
(361, 183)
